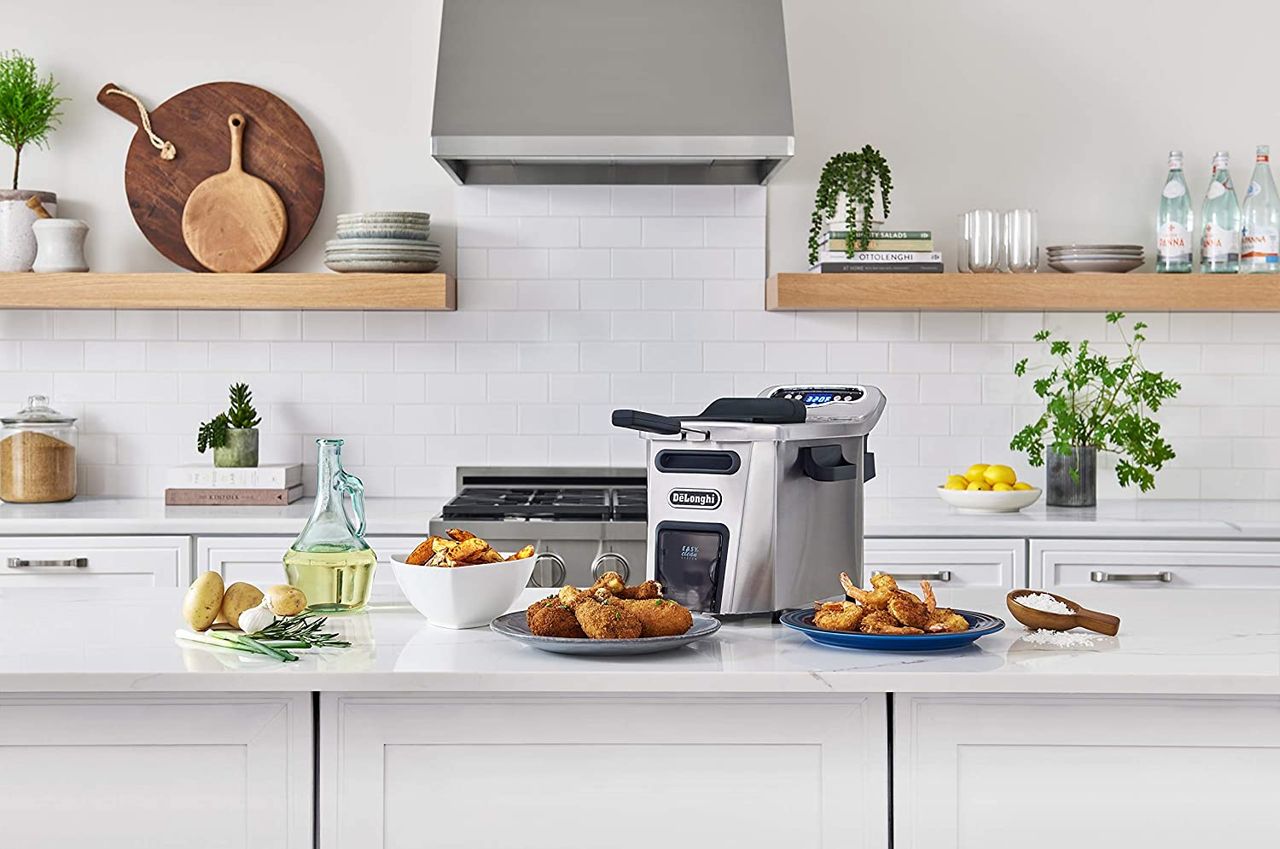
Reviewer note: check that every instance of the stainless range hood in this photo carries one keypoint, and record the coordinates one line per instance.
(612, 91)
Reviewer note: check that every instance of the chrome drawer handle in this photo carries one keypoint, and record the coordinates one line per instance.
(1138, 577)
(624, 566)
(69, 563)
(557, 563)
(942, 576)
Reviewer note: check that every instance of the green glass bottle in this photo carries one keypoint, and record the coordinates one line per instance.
(330, 561)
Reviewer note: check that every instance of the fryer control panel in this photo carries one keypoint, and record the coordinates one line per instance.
(819, 396)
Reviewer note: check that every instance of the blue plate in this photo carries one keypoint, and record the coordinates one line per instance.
(980, 625)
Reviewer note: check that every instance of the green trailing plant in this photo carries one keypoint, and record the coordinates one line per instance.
(240, 414)
(857, 176)
(28, 106)
(1092, 400)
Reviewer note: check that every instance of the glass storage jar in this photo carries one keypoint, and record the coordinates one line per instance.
(37, 454)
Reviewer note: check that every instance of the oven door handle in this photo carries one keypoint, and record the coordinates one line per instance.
(827, 463)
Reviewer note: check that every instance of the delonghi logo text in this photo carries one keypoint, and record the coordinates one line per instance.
(694, 499)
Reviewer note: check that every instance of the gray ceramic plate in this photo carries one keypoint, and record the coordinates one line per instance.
(516, 626)
(387, 216)
(1095, 266)
(374, 266)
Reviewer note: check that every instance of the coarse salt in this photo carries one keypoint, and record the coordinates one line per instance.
(1044, 602)
(1059, 639)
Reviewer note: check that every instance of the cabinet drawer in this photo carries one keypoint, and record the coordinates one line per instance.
(258, 560)
(949, 563)
(95, 561)
(1154, 564)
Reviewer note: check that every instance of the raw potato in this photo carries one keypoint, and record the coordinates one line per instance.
(284, 600)
(238, 598)
(203, 601)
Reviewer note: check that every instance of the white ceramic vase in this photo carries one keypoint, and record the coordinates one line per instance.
(17, 239)
(60, 245)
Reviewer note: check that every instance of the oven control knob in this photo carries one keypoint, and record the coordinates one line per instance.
(559, 572)
(611, 561)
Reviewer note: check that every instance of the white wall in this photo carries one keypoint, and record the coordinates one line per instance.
(574, 301)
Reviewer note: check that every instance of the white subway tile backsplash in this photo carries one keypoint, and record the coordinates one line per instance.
(26, 324)
(239, 356)
(522, 388)
(672, 294)
(640, 389)
(750, 200)
(209, 324)
(269, 325)
(332, 326)
(640, 263)
(579, 263)
(594, 325)
(285, 356)
(579, 388)
(671, 357)
(702, 263)
(640, 200)
(395, 326)
(114, 356)
(734, 232)
(855, 357)
(39, 355)
(421, 356)
(608, 232)
(797, 357)
(580, 200)
(919, 357)
(520, 263)
(383, 388)
(518, 326)
(672, 232)
(732, 295)
(642, 325)
(487, 357)
(548, 357)
(609, 356)
(83, 324)
(144, 324)
(733, 356)
(559, 232)
(179, 356)
(518, 200)
(611, 295)
(545, 295)
(702, 200)
(749, 263)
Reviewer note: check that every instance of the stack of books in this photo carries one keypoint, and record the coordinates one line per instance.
(889, 251)
(206, 485)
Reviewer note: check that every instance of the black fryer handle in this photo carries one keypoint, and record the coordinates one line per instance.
(827, 463)
(648, 422)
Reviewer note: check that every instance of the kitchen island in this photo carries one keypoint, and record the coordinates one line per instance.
(754, 737)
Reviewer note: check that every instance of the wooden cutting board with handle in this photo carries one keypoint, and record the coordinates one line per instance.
(234, 221)
(278, 148)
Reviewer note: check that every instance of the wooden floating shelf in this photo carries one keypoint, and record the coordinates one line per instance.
(1046, 292)
(266, 291)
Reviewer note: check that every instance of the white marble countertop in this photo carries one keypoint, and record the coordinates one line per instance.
(885, 517)
(1170, 642)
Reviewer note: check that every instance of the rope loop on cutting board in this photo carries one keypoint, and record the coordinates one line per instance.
(166, 148)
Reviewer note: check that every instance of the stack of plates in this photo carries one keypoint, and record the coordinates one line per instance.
(383, 242)
(1109, 259)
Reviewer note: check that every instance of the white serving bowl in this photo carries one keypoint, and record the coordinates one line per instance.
(463, 596)
(977, 501)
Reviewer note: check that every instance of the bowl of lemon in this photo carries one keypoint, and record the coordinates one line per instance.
(988, 488)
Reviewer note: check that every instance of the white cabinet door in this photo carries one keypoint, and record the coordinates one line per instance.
(208, 771)
(1059, 772)
(95, 561)
(403, 772)
(1154, 564)
(950, 563)
(258, 560)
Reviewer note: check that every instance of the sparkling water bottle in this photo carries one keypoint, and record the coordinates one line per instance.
(1220, 240)
(1175, 221)
(1260, 237)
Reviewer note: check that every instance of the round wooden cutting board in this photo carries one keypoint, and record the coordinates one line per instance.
(278, 148)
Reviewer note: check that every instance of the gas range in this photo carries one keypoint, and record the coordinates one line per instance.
(584, 521)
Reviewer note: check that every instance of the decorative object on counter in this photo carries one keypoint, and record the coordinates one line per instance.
(1021, 249)
(37, 454)
(60, 245)
(192, 125)
(330, 561)
(234, 221)
(979, 241)
(459, 581)
(1095, 259)
(271, 626)
(277, 476)
(29, 112)
(887, 252)
(1174, 222)
(988, 488)
(1093, 403)
(232, 435)
(383, 242)
(1260, 230)
(1040, 610)
(1220, 236)
(855, 176)
(226, 497)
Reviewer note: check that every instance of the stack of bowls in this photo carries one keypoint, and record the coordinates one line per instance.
(1095, 259)
(382, 242)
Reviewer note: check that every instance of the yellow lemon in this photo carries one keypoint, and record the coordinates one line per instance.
(1022, 485)
(999, 474)
(978, 486)
(955, 482)
(975, 472)
(1001, 487)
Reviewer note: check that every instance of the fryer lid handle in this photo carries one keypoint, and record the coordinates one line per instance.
(648, 422)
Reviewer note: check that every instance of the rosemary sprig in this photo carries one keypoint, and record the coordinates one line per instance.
(301, 632)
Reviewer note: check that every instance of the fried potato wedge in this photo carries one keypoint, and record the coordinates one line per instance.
(469, 551)
(425, 550)
(527, 551)
(460, 535)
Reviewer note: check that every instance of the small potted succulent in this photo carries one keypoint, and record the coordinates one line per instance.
(1094, 403)
(232, 435)
(29, 111)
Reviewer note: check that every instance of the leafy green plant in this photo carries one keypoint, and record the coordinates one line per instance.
(1092, 400)
(856, 175)
(240, 414)
(28, 106)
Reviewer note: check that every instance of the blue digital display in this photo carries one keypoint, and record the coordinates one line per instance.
(815, 398)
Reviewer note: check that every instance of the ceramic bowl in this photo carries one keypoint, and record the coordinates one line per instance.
(382, 266)
(380, 232)
(391, 217)
(381, 245)
(464, 596)
(1095, 266)
(968, 501)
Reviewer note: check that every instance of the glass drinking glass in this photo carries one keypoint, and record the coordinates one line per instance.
(962, 242)
(983, 230)
(1022, 253)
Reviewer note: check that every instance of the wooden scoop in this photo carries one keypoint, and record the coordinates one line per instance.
(234, 221)
(1103, 623)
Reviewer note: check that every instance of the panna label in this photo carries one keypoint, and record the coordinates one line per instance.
(694, 499)
(1216, 190)
(1260, 246)
(1173, 242)
(1219, 243)
(1174, 189)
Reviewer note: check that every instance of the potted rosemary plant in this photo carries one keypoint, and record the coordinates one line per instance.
(857, 176)
(232, 435)
(1094, 403)
(29, 111)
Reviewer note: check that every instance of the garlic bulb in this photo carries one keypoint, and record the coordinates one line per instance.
(255, 619)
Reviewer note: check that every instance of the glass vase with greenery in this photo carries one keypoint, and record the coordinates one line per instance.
(29, 106)
(1095, 402)
(857, 176)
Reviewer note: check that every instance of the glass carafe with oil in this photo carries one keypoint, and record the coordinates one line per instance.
(330, 561)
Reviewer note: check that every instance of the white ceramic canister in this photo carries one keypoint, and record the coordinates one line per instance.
(17, 240)
(60, 244)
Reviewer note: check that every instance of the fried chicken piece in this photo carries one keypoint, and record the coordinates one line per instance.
(877, 598)
(882, 622)
(550, 617)
(601, 620)
(908, 609)
(659, 617)
(943, 621)
(837, 615)
(612, 583)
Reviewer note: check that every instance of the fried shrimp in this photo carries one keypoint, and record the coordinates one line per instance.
(659, 617)
(550, 617)
(930, 602)
(877, 598)
(943, 621)
(908, 609)
(882, 622)
(838, 615)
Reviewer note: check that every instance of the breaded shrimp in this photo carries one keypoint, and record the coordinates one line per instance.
(838, 615)
(882, 622)
(908, 609)
(943, 621)
(883, 587)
